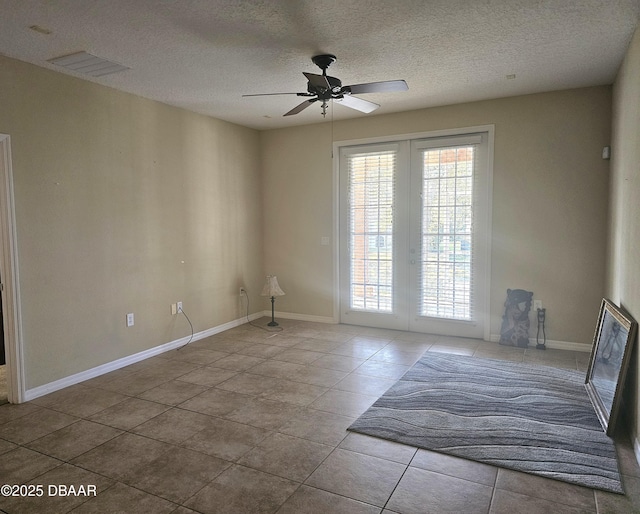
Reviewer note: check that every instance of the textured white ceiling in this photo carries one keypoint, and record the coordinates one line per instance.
(203, 55)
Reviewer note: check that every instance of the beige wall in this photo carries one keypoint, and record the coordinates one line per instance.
(124, 205)
(623, 279)
(550, 196)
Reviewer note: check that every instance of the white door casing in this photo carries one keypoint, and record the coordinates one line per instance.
(9, 272)
(396, 236)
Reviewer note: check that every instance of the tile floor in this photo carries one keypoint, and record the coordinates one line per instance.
(254, 421)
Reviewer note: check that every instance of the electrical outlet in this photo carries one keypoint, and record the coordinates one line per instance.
(174, 308)
(130, 320)
(179, 306)
(243, 291)
(537, 304)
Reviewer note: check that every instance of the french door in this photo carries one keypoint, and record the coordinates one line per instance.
(414, 220)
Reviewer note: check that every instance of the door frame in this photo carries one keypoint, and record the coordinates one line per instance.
(10, 289)
(490, 130)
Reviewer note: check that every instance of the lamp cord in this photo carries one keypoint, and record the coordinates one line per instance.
(191, 325)
(274, 329)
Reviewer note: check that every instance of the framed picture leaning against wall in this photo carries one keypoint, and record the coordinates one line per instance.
(610, 355)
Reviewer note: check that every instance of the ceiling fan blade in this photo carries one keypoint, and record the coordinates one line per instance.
(387, 86)
(318, 81)
(272, 94)
(357, 103)
(300, 107)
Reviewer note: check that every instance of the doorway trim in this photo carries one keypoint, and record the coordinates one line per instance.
(9, 288)
(490, 130)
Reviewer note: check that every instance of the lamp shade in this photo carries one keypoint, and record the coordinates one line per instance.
(271, 287)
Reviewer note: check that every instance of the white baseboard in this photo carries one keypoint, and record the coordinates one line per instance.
(36, 392)
(556, 345)
(301, 317)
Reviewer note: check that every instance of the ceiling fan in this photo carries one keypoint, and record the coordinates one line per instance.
(322, 88)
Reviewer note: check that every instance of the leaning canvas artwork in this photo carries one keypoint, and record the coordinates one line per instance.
(515, 322)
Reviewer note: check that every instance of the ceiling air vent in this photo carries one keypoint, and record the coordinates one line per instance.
(88, 64)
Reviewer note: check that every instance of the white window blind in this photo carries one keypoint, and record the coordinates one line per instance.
(371, 193)
(446, 267)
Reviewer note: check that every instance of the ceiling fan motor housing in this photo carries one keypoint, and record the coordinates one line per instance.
(333, 91)
(323, 61)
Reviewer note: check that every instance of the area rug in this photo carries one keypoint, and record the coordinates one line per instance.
(534, 419)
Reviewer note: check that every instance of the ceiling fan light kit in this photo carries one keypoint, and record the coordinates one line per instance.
(322, 88)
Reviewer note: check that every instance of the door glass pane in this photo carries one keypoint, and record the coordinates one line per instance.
(371, 183)
(447, 242)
